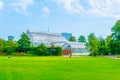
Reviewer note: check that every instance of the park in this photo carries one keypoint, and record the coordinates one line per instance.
(38, 55)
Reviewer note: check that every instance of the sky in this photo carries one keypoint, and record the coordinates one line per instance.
(79, 17)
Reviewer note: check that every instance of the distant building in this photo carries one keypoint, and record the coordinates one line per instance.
(67, 35)
(10, 37)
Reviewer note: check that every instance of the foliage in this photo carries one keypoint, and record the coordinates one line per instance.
(116, 36)
(58, 51)
(42, 50)
(2, 45)
(118, 56)
(92, 44)
(72, 39)
(31, 51)
(81, 39)
(110, 48)
(11, 46)
(24, 43)
(55, 51)
(102, 46)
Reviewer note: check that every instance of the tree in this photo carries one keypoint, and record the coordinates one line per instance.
(72, 39)
(42, 50)
(2, 45)
(24, 43)
(109, 44)
(116, 36)
(11, 46)
(92, 44)
(81, 39)
(102, 46)
(113, 47)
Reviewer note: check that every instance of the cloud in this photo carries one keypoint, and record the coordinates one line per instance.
(1, 5)
(22, 5)
(106, 8)
(72, 6)
(109, 8)
(45, 9)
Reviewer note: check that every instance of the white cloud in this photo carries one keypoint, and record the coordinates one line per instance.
(1, 5)
(72, 6)
(46, 9)
(108, 8)
(22, 5)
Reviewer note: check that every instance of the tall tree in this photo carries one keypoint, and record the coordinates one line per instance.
(102, 46)
(72, 39)
(81, 39)
(11, 46)
(24, 43)
(2, 45)
(116, 36)
(109, 45)
(92, 44)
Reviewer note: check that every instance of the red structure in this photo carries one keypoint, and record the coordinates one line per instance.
(66, 52)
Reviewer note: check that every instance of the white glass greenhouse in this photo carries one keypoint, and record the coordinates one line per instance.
(38, 37)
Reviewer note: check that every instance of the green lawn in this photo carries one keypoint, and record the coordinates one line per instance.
(59, 68)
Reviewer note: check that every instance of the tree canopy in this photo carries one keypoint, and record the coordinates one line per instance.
(72, 39)
(116, 36)
(2, 45)
(81, 39)
(11, 46)
(92, 44)
(24, 43)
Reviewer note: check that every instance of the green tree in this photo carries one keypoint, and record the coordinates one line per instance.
(2, 45)
(55, 51)
(11, 46)
(102, 46)
(116, 36)
(92, 44)
(113, 47)
(109, 44)
(72, 39)
(81, 39)
(42, 50)
(24, 43)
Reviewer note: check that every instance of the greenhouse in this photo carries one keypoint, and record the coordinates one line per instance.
(38, 37)
(56, 39)
(76, 48)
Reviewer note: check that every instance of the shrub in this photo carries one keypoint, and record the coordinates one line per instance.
(55, 51)
(58, 51)
(42, 50)
(118, 56)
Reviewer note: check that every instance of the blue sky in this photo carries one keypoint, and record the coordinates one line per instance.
(79, 17)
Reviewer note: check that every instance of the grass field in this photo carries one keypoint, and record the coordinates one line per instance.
(59, 68)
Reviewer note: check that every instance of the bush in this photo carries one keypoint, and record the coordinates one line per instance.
(58, 51)
(10, 50)
(55, 51)
(42, 50)
(19, 54)
(118, 56)
(31, 53)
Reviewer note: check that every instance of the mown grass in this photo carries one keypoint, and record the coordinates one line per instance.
(59, 68)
